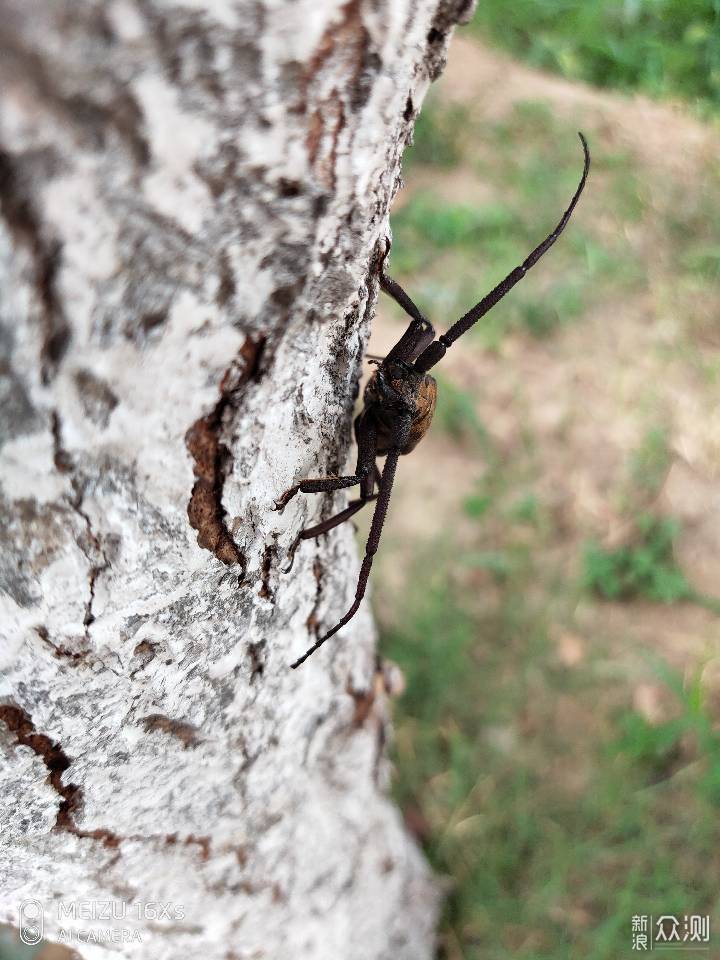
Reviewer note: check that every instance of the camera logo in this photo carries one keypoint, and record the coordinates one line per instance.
(31, 922)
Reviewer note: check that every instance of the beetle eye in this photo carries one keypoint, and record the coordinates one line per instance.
(396, 371)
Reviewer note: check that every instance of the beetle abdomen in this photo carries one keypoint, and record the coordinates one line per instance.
(424, 410)
(425, 399)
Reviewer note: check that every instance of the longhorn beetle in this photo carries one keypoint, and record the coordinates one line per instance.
(399, 402)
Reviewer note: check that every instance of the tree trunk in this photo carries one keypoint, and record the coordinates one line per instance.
(193, 200)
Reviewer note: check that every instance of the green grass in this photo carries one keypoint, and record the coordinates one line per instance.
(665, 48)
(649, 465)
(555, 809)
(554, 833)
(456, 414)
(428, 225)
(659, 750)
(525, 510)
(486, 243)
(440, 135)
(690, 215)
(645, 568)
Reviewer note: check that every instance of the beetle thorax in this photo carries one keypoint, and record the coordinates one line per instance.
(394, 387)
(398, 390)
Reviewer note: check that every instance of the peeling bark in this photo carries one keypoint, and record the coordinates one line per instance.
(192, 200)
(211, 458)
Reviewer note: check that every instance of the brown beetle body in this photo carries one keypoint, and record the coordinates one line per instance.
(392, 391)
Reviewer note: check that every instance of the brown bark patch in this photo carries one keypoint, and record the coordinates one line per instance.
(61, 458)
(226, 286)
(205, 510)
(344, 50)
(202, 842)
(257, 663)
(185, 732)
(97, 399)
(364, 700)
(312, 623)
(265, 590)
(19, 723)
(328, 118)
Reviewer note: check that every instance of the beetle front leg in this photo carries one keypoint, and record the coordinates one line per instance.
(365, 470)
(320, 485)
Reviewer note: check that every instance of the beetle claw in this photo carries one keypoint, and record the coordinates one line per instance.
(283, 500)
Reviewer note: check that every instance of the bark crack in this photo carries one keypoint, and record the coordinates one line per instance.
(92, 549)
(211, 458)
(370, 705)
(265, 567)
(20, 724)
(313, 623)
(60, 651)
(20, 214)
(349, 43)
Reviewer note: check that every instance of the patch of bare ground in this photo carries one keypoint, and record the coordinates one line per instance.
(664, 136)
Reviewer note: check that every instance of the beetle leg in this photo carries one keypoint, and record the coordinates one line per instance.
(320, 485)
(366, 434)
(402, 432)
(388, 475)
(309, 533)
(393, 288)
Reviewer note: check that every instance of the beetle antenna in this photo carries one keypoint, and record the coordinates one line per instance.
(436, 351)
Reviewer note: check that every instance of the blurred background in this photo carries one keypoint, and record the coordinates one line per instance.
(550, 575)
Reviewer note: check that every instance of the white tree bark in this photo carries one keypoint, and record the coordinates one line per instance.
(193, 195)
